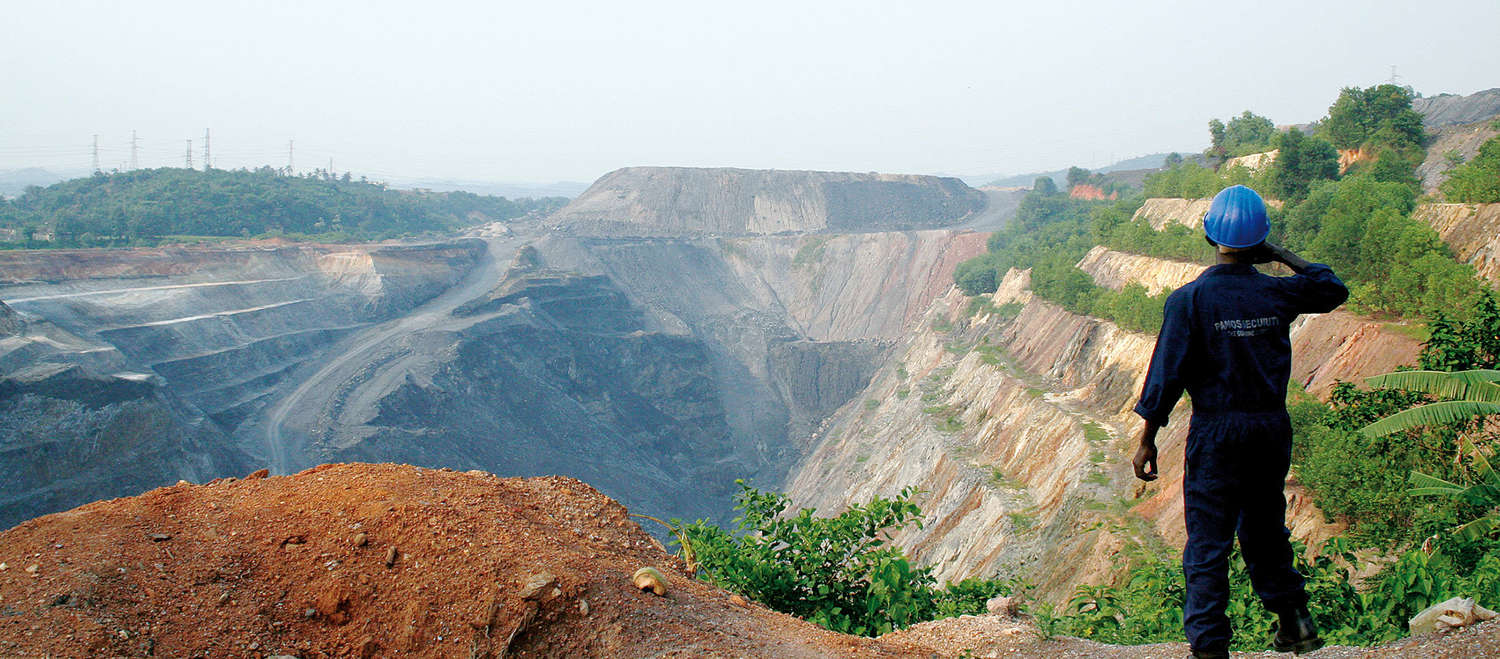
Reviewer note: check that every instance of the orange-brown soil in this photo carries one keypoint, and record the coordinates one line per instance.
(298, 565)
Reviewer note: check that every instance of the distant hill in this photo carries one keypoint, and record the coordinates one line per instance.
(1452, 109)
(145, 205)
(668, 201)
(1137, 166)
(567, 189)
(15, 181)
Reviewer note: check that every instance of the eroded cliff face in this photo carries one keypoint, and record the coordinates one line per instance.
(1471, 230)
(1161, 211)
(1114, 270)
(676, 201)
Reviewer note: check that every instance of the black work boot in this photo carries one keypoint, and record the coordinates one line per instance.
(1296, 632)
(1210, 654)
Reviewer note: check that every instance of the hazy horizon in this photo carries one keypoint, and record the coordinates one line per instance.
(569, 91)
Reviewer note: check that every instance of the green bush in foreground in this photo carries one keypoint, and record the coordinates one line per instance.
(838, 572)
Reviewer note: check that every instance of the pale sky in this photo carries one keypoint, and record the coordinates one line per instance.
(544, 90)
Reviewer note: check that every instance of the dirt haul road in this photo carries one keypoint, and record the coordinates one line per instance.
(368, 355)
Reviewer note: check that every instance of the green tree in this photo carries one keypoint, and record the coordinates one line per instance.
(1374, 117)
(1300, 161)
(1248, 133)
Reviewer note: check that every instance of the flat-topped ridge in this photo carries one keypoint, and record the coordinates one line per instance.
(666, 201)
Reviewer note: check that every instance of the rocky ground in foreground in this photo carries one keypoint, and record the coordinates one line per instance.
(374, 560)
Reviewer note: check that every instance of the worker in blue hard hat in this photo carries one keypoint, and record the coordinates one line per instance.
(1224, 339)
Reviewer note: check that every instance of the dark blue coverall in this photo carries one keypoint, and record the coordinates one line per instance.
(1224, 339)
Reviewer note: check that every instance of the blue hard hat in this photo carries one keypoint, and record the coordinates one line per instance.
(1237, 218)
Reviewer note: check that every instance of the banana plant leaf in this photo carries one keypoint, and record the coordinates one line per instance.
(1475, 385)
(1431, 414)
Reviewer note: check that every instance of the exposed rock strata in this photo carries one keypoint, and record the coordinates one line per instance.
(1114, 270)
(666, 201)
(1471, 230)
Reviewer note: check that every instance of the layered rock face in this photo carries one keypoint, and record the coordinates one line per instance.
(1114, 270)
(1472, 230)
(669, 201)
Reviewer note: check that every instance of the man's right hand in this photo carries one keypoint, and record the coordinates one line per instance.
(1145, 456)
(1276, 252)
(1145, 462)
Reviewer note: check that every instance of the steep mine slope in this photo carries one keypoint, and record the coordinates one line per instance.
(668, 201)
(387, 560)
(1471, 230)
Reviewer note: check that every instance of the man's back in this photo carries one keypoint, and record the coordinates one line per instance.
(1224, 339)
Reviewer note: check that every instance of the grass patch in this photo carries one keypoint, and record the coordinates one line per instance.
(1001, 479)
(1008, 311)
(1022, 521)
(958, 348)
(1418, 332)
(1097, 457)
(1097, 477)
(941, 324)
(1093, 433)
(871, 403)
(901, 371)
(902, 393)
(811, 252)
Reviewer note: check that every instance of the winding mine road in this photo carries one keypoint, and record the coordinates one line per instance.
(355, 353)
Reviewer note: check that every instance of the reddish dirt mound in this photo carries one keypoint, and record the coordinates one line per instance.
(382, 560)
(301, 565)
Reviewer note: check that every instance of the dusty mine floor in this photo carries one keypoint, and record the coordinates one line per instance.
(381, 560)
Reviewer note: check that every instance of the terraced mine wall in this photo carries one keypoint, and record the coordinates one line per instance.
(123, 370)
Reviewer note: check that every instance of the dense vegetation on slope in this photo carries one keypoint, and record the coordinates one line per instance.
(1477, 181)
(838, 572)
(1358, 223)
(147, 205)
